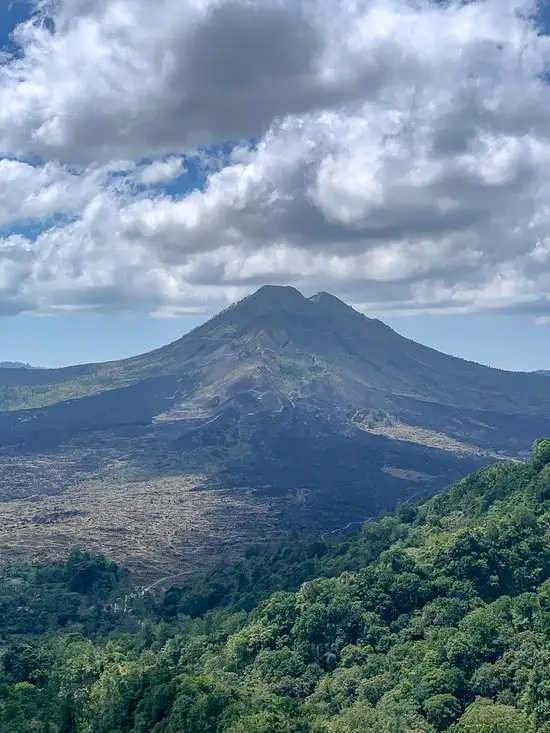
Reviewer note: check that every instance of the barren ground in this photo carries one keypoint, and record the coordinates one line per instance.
(163, 527)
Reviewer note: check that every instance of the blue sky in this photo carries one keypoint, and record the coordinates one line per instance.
(505, 341)
(11, 13)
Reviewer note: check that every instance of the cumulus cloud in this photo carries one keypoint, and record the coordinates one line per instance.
(36, 192)
(131, 78)
(396, 153)
(161, 171)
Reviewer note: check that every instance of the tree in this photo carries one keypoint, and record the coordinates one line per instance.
(441, 710)
(68, 718)
(264, 722)
(484, 716)
(541, 452)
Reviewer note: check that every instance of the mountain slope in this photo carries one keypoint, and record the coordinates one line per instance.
(301, 409)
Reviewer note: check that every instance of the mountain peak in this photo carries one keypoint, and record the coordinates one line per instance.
(343, 312)
(286, 296)
(327, 300)
(277, 295)
(323, 297)
(267, 299)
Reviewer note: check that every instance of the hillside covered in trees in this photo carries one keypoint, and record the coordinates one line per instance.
(434, 618)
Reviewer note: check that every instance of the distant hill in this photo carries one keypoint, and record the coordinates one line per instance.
(14, 365)
(544, 372)
(284, 411)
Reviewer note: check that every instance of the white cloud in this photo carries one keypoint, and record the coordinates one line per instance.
(401, 155)
(161, 171)
(35, 192)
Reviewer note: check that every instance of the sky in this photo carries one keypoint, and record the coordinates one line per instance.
(159, 161)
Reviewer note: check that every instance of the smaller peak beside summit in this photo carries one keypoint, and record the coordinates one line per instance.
(334, 304)
(328, 299)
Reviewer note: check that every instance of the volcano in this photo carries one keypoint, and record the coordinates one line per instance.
(328, 415)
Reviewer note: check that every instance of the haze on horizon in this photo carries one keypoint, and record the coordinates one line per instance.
(157, 337)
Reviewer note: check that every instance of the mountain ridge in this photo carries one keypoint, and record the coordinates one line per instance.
(267, 305)
(15, 365)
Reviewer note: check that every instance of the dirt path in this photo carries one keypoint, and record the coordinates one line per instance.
(161, 580)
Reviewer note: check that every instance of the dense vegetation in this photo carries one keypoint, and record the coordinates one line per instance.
(436, 618)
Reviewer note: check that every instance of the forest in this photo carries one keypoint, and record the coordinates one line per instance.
(433, 618)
